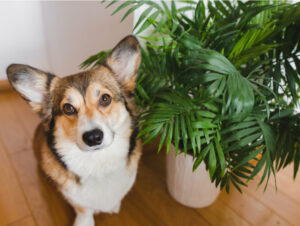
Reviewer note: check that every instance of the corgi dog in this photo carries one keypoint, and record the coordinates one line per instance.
(87, 142)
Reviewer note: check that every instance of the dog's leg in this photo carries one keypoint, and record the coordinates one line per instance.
(84, 217)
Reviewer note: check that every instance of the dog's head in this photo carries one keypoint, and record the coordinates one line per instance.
(87, 108)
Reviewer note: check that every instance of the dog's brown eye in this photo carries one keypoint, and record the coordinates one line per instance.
(105, 100)
(69, 109)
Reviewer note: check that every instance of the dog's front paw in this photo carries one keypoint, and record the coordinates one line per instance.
(84, 220)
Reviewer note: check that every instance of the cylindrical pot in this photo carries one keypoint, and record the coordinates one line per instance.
(193, 189)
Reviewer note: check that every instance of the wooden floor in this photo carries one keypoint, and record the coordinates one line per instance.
(28, 199)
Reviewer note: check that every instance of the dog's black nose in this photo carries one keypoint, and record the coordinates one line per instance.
(93, 137)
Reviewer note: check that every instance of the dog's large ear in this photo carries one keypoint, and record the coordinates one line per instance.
(124, 60)
(32, 84)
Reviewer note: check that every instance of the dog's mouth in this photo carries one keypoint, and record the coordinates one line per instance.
(86, 148)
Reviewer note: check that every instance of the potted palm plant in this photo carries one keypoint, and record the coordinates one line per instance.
(219, 82)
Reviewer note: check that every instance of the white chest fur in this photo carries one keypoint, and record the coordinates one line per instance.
(102, 194)
(104, 176)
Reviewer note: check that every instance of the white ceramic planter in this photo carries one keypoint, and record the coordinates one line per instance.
(193, 189)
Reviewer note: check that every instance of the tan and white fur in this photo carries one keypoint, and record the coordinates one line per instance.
(87, 141)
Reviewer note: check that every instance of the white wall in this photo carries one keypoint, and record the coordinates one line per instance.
(56, 36)
(21, 35)
(76, 30)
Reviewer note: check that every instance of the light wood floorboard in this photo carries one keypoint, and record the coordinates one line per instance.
(28, 221)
